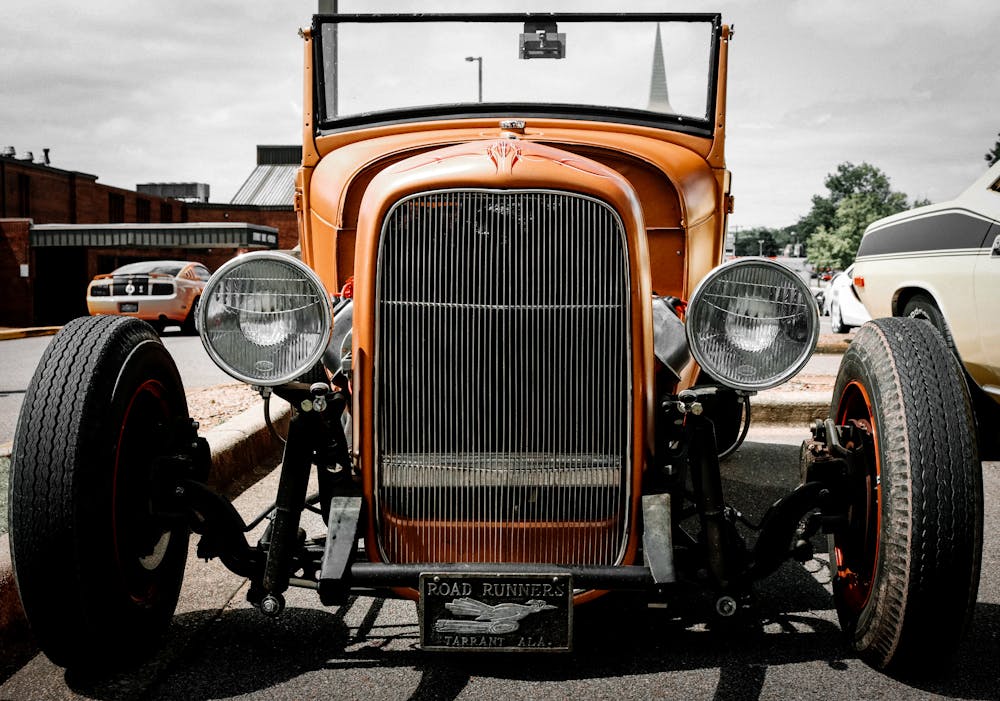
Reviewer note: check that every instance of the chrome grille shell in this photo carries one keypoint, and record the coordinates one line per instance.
(503, 379)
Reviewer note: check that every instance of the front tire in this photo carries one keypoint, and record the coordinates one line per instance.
(908, 560)
(98, 572)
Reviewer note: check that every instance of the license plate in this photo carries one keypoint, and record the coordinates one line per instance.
(128, 307)
(500, 612)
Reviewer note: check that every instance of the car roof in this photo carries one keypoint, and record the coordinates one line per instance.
(150, 265)
(981, 197)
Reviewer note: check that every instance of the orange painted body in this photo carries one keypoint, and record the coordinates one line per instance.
(670, 189)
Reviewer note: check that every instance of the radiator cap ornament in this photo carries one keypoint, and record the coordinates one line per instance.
(514, 125)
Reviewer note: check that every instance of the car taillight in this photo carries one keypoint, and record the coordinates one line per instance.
(162, 288)
(100, 291)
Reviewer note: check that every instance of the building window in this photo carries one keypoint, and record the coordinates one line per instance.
(23, 195)
(142, 211)
(116, 208)
(166, 212)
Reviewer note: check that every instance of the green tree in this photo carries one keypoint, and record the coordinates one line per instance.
(993, 155)
(761, 239)
(858, 195)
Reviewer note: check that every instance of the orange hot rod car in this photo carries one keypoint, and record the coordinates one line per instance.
(515, 363)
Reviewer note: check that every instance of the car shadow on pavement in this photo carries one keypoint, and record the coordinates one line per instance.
(243, 653)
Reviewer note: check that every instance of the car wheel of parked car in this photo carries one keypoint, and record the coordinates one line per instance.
(820, 297)
(837, 324)
(923, 307)
(189, 326)
(907, 561)
(98, 572)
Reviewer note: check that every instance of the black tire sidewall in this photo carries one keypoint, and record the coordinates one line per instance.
(148, 361)
(190, 324)
(857, 367)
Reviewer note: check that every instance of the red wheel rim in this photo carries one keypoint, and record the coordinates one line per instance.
(139, 545)
(856, 548)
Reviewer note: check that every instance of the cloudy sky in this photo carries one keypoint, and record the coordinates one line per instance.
(184, 90)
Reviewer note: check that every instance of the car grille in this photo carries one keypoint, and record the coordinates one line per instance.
(503, 379)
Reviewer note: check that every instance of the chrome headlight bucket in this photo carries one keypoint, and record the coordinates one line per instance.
(264, 318)
(752, 324)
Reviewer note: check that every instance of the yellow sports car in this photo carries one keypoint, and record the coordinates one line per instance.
(162, 292)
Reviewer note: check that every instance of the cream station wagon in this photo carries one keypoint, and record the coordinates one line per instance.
(941, 263)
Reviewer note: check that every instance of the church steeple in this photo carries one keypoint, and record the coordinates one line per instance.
(659, 99)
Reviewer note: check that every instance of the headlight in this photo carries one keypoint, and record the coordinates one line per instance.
(264, 318)
(752, 324)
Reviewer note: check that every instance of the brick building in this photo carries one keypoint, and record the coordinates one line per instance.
(60, 228)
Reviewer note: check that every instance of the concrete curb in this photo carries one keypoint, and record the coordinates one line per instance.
(9, 334)
(833, 347)
(244, 443)
(240, 449)
(789, 408)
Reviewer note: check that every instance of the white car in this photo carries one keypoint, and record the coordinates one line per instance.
(941, 263)
(842, 304)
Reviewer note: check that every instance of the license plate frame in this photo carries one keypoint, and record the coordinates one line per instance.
(128, 307)
(496, 612)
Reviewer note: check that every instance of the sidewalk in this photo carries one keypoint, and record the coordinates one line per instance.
(9, 332)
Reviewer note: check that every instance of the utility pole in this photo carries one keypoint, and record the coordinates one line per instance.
(479, 60)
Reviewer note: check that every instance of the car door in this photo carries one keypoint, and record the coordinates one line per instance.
(987, 296)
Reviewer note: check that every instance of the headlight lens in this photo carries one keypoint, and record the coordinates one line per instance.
(752, 324)
(264, 318)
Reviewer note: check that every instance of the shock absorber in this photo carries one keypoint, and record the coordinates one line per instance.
(724, 549)
(305, 427)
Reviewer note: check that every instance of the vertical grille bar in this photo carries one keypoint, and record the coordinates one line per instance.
(503, 379)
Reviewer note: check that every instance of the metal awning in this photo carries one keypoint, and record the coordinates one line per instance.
(268, 185)
(190, 235)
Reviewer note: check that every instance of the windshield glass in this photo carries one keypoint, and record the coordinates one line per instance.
(640, 68)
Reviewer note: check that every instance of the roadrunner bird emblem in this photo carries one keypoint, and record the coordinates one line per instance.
(496, 619)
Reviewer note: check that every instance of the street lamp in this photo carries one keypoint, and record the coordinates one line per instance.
(760, 247)
(479, 60)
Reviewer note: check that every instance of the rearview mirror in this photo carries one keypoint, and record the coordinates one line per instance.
(542, 40)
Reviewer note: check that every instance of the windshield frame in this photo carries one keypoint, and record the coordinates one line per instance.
(703, 127)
